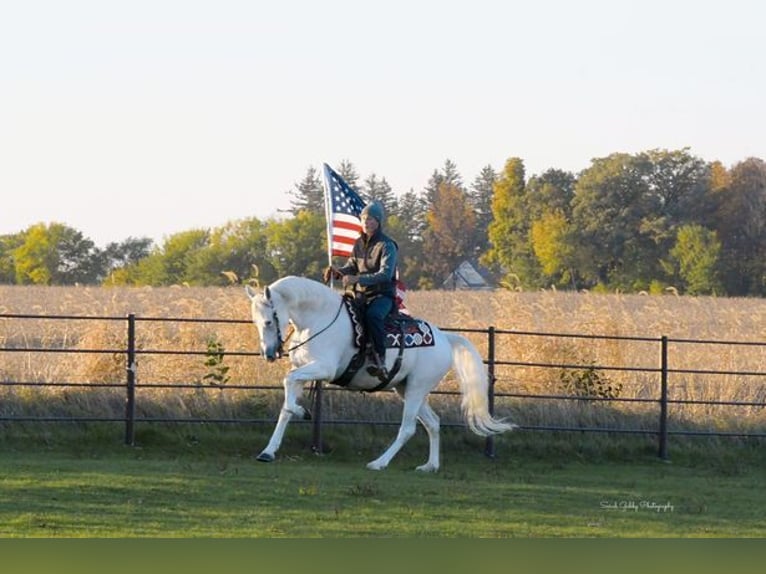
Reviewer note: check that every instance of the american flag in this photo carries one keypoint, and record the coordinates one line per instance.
(344, 207)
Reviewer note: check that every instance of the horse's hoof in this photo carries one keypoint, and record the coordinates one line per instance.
(306, 415)
(265, 457)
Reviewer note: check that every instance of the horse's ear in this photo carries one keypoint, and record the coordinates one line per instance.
(267, 293)
(250, 292)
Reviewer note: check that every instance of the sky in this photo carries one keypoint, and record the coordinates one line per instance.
(145, 118)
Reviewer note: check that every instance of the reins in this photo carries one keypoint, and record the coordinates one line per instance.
(314, 336)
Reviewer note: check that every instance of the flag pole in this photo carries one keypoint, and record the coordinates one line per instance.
(328, 215)
(316, 446)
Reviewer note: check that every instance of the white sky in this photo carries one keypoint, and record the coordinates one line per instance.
(150, 117)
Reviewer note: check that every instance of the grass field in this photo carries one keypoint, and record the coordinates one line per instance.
(68, 480)
(203, 482)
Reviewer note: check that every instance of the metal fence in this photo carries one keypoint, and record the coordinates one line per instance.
(508, 375)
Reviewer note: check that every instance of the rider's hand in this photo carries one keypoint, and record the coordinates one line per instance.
(349, 280)
(331, 272)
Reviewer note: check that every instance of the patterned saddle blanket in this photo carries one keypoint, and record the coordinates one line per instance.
(402, 331)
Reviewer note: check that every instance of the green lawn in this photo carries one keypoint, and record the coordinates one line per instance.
(208, 485)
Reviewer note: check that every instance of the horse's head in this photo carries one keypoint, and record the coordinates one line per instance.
(270, 319)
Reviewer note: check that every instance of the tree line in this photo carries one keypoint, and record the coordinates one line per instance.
(652, 221)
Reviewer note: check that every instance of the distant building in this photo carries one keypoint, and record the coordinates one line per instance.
(468, 275)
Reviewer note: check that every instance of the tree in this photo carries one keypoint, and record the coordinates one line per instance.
(308, 195)
(553, 247)
(696, 253)
(740, 221)
(406, 226)
(510, 251)
(56, 254)
(375, 189)
(551, 192)
(238, 248)
(448, 175)
(127, 252)
(679, 194)
(298, 246)
(611, 201)
(480, 196)
(450, 231)
(348, 172)
(8, 245)
(174, 263)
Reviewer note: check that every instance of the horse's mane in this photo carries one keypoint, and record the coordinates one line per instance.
(294, 289)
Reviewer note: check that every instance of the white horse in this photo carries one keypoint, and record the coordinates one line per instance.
(321, 348)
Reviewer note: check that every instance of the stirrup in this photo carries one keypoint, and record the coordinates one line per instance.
(378, 367)
(380, 372)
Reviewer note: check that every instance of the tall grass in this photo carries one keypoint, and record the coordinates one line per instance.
(214, 395)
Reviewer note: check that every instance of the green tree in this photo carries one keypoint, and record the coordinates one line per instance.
(480, 196)
(56, 254)
(551, 236)
(551, 192)
(126, 253)
(348, 172)
(679, 194)
(375, 189)
(611, 201)
(510, 252)
(174, 263)
(298, 246)
(8, 245)
(696, 253)
(740, 221)
(404, 226)
(308, 195)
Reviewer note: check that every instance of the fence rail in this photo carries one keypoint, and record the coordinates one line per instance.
(660, 373)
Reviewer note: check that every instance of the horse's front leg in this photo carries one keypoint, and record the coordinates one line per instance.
(293, 384)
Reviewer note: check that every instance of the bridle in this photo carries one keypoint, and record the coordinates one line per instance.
(281, 342)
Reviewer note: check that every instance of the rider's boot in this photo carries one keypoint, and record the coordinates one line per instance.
(378, 367)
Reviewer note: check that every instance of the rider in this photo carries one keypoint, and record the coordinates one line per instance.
(370, 270)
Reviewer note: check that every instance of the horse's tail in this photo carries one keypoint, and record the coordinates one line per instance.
(474, 385)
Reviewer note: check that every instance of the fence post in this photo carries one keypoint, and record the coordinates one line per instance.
(489, 445)
(316, 441)
(663, 437)
(130, 400)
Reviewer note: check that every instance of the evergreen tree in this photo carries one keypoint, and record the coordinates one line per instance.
(348, 172)
(480, 197)
(308, 195)
(375, 189)
(406, 227)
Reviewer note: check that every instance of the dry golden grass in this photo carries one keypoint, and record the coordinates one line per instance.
(542, 312)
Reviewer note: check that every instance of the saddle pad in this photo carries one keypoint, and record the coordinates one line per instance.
(401, 330)
(407, 332)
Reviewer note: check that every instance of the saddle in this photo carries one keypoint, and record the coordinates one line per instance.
(402, 331)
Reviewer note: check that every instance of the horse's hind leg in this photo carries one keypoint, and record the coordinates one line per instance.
(411, 408)
(430, 421)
